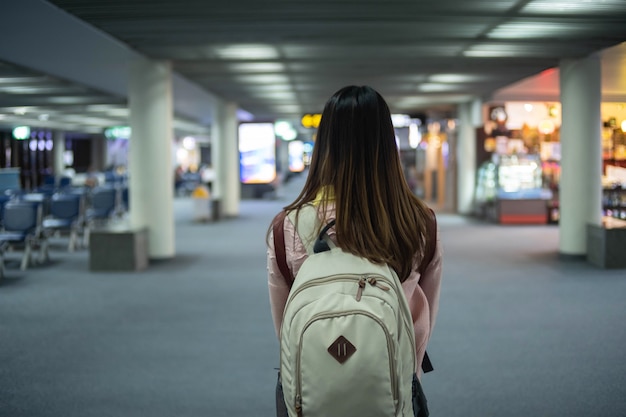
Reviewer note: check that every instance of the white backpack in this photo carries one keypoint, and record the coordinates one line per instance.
(347, 346)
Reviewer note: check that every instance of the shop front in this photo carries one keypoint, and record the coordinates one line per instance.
(518, 160)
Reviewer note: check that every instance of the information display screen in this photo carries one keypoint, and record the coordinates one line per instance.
(257, 153)
(296, 156)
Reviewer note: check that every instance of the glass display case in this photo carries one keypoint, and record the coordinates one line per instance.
(510, 189)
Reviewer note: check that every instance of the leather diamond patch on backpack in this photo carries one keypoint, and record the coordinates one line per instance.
(341, 349)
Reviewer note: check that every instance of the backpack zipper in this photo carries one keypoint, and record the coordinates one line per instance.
(371, 279)
(390, 348)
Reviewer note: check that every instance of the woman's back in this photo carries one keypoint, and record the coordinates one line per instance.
(356, 168)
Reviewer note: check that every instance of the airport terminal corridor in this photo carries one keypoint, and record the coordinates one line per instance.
(519, 333)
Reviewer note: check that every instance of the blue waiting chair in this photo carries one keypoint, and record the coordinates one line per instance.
(100, 209)
(64, 215)
(20, 227)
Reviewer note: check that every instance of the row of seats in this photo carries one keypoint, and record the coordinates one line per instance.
(28, 220)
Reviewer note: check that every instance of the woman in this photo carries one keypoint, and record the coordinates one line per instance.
(357, 179)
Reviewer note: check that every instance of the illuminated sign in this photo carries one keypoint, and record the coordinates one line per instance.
(21, 132)
(311, 121)
(117, 132)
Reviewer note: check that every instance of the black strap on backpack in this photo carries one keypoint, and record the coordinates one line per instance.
(321, 246)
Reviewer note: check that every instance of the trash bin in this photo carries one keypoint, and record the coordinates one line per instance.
(202, 210)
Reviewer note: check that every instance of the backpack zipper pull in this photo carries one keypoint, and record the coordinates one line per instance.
(299, 405)
(359, 291)
(375, 283)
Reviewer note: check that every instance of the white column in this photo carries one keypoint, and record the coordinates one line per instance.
(150, 164)
(58, 150)
(466, 158)
(580, 190)
(217, 140)
(225, 152)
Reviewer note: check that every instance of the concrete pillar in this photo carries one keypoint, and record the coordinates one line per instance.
(466, 158)
(282, 158)
(580, 190)
(225, 154)
(151, 195)
(58, 150)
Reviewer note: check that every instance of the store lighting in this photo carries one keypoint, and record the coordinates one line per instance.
(400, 120)
(546, 127)
(181, 154)
(553, 111)
(624, 125)
(414, 135)
(189, 143)
(285, 130)
(528, 107)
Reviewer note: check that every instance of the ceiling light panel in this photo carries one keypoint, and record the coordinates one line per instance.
(269, 88)
(10, 89)
(246, 52)
(276, 95)
(571, 7)
(73, 99)
(455, 78)
(538, 29)
(507, 50)
(261, 67)
(262, 79)
(23, 80)
(366, 51)
(436, 87)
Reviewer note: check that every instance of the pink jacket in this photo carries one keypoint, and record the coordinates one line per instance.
(422, 292)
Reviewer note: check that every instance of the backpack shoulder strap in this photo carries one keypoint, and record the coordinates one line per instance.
(306, 221)
(431, 228)
(278, 230)
(427, 365)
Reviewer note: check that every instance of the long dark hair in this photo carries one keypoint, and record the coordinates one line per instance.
(356, 159)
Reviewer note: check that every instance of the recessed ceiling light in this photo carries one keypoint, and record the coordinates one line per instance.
(574, 7)
(533, 30)
(247, 51)
(435, 87)
(257, 66)
(263, 78)
(453, 78)
(495, 50)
